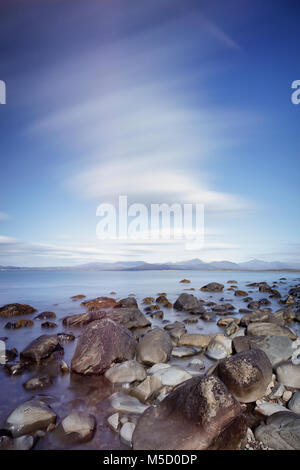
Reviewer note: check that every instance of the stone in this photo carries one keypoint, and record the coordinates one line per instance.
(37, 383)
(13, 310)
(78, 297)
(77, 427)
(270, 329)
(188, 303)
(287, 395)
(267, 409)
(83, 319)
(277, 348)
(199, 414)
(113, 421)
(31, 416)
(129, 302)
(213, 287)
(246, 374)
(45, 316)
(129, 317)
(65, 337)
(126, 433)
(126, 404)
(102, 343)
(40, 348)
(197, 340)
(129, 371)
(172, 376)
(240, 293)
(99, 303)
(182, 351)
(17, 443)
(219, 347)
(185, 281)
(281, 431)
(294, 403)
(150, 386)
(49, 324)
(154, 347)
(19, 324)
(288, 374)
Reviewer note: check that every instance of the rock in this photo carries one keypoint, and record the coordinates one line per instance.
(213, 287)
(183, 351)
(40, 348)
(146, 389)
(241, 293)
(159, 315)
(64, 367)
(246, 374)
(219, 347)
(129, 302)
(113, 421)
(196, 364)
(185, 281)
(188, 303)
(126, 404)
(129, 371)
(281, 431)
(232, 329)
(225, 322)
(15, 369)
(65, 337)
(102, 343)
(267, 409)
(99, 303)
(19, 324)
(49, 324)
(157, 367)
(17, 443)
(82, 319)
(287, 395)
(13, 310)
(78, 297)
(277, 348)
(129, 317)
(77, 427)
(31, 416)
(288, 374)
(126, 433)
(199, 414)
(276, 392)
(256, 317)
(154, 347)
(172, 376)
(270, 329)
(190, 320)
(37, 383)
(45, 316)
(294, 403)
(198, 340)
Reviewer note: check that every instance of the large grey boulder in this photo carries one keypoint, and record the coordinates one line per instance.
(154, 347)
(281, 431)
(102, 343)
(199, 414)
(246, 374)
(188, 303)
(31, 416)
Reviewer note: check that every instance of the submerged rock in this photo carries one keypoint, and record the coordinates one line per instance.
(45, 316)
(19, 324)
(37, 383)
(199, 414)
(31, 416)
(154, 347)
(213, 287)
(40, 348)
(102, 343)
(13, 310)
(17, 443)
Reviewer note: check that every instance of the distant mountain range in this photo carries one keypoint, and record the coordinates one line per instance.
(193, 264)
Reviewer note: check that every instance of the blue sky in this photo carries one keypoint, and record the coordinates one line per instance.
(164, 101)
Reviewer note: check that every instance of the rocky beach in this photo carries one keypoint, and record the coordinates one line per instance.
(204, 366)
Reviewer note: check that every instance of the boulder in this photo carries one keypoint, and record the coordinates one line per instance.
(82, 319)
(294, 403)
(31, 416)
(129, 317)
(102, 343)
(38, 383)
(13, 310)
(270, 329)
(99, 303)
(198, 340)
(213, 287)
(40, 348)
(77, 427)
(129, 302)
(219, 347)
(154, 347)
(246, 374)
(126, 372)
(45, 316)
(188, 303)
(199, 414)
(288, 374)
(281, 431)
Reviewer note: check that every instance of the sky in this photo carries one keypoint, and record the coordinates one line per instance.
(163, 102)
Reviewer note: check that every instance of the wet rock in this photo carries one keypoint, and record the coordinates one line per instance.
(129, 371)
(231, 329)
(277, 348)
(78, 297)
(129, 302)
(146, 389)
(126, 433)
(268, 409)
(17, 443)
(99, 303)
(82, 319)
(197, 340)
(225, 322)
(38, 383)
(241, 293)
(270, 329)
(8, 355)
(16, 369)
(182, 351)
(19, 324)
(185, 281)
(31, 416)
(129, 317)
(172, 376)
(40, 348)
(45, 316)
(154, 347)
(199, 414)
(13, 310)
(246, 374)
(126, 404)
(188, 303)
(65, 337)
(113, 421)
(294, 403)
(49, 324)
(281, 431)
(219, 347)
(77, 427)
(288, 374)
(190, 320)
(213, 287)
(258, 316)
(159, 315)
(162, 300)
(102, 343)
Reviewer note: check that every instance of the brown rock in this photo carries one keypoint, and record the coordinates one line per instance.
(12, 310)
(99, 303)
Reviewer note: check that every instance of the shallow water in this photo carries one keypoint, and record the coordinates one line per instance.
(51, 291)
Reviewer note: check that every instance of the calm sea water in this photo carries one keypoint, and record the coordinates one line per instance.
(51, 291)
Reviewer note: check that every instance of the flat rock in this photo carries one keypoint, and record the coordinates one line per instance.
(197, 340)
(99, 303)
(281, 431)
(129, 371)
(288, 374)
(183, 351)
(129, 317)
(270, 329)
(268, 409)
(213, 287)
(277, 348)
(126, 404)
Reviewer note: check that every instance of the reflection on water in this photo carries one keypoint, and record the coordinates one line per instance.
(51, 291)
